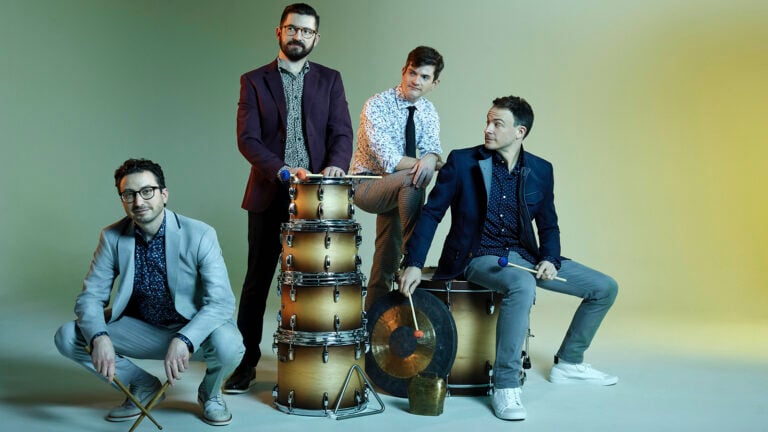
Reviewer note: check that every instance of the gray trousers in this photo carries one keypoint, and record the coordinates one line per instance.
(221, 351)
(397, 204)
(518, 290)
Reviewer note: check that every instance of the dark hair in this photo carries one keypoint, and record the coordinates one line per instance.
(520, 108)
(132, 166)
(425, 56)
(300, 9)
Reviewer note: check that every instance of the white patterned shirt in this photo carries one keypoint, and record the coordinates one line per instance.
(381, 135)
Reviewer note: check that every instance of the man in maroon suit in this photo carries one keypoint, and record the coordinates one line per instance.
(292, 118)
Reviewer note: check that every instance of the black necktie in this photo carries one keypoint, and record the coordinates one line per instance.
(410, 134)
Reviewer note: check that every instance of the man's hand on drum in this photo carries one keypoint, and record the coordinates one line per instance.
(332, 171)
(103, 357)
(300, 173)
(409, 280)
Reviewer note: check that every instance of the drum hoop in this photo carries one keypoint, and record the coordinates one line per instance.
(321, 412)
(323, 181)
(442, 290)
(332, 225)
(320, 279)
(301, 338)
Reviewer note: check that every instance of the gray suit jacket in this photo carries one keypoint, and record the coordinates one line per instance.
(197, 277)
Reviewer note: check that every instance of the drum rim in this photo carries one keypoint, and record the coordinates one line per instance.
(321, 339)
(320, 280)
(320, 225)
(322, 181)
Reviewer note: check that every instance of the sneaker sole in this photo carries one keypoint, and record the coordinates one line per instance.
(568, 381)
(217, 423)
(122, 419)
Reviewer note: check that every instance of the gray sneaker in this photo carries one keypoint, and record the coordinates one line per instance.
(127, 410)
(581, 373)
(215, 411)
(507, 404)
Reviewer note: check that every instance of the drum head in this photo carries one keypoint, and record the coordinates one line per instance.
(396, 354)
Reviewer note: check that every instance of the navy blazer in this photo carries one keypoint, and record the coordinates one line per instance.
(261, 130)
(463, 184)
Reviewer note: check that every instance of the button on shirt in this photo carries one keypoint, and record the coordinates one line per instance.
(296, 154)
(381, 135)
(151, 300)
(502, 223)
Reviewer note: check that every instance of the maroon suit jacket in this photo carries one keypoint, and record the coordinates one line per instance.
(261, 131)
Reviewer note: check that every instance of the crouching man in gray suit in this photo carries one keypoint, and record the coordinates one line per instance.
(173, 300)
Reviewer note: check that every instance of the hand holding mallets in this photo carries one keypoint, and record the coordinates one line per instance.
(504, 262)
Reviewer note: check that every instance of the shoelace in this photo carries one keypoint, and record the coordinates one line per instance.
(511, 398)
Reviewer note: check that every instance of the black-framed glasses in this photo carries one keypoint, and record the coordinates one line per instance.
(146, 193)
(306, 32)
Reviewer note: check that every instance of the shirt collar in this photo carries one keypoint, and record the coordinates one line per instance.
(281, 66)
(139, 234)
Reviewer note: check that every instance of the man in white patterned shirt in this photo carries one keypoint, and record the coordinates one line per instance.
(386, 146)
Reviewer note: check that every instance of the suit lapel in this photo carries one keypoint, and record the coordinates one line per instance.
(126, 249)
(486, 167)
(172, 248)
(275, 84)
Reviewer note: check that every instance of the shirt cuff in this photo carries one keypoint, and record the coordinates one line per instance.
(101, 333)
(186, 340)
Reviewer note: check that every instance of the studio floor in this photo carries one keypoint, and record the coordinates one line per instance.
(674, 376)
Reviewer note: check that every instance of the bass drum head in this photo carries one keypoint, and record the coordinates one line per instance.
(396, 355)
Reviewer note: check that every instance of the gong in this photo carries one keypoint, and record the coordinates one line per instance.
(396, 354)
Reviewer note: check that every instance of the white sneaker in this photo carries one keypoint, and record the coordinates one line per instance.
(507, 404)
(573, 373)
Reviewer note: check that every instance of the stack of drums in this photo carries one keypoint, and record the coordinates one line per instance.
(321, 331)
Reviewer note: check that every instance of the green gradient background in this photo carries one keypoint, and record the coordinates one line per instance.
(653, 114)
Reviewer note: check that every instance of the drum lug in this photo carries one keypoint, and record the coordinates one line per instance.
(358, 262)
(292, 192)
(336, 322)
(490, 307)
(325, 354)
(292, 293)
(351, 191)
(275, 391)
(291, 352)
(320, 192)
(291, 395)
(289, 261)
(336, 294)
(292, 209)
(274, 347)
(279, 317)
(364, 318)
(320, 211)
(358, 352)
(489, 369)
(364, 293)
(358, 240)
(327, 240)
(327, 263)
(279, 289)
(351, 211)
(325, 402)
(289, 239)
(293, 321)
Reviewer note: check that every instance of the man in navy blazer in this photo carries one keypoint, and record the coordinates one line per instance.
(495, 192)
(172, 301)
(292, 118)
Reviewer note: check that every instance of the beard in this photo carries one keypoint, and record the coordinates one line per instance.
(296, 50)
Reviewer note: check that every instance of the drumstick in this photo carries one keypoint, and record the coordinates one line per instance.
(151, 405)
(418, 333)
(504, 262)
(130, 395)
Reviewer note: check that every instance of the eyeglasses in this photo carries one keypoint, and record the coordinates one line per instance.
(129, 196)
(306, 32)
